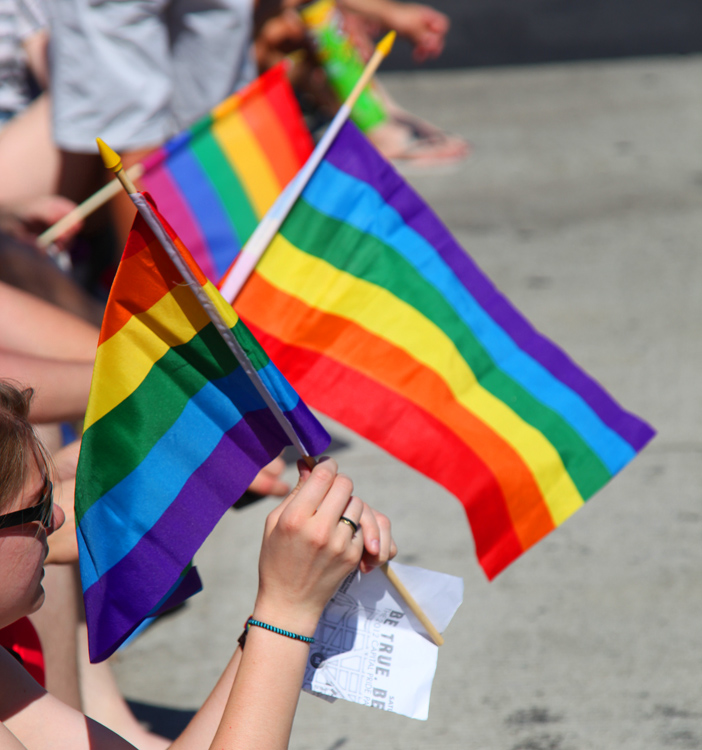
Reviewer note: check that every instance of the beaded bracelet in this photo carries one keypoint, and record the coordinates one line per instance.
(273, 629)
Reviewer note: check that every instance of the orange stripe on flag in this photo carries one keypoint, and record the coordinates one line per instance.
(272, 138)
(294, 322)
(144, 253)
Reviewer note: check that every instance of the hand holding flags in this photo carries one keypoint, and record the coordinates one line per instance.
(175, 431)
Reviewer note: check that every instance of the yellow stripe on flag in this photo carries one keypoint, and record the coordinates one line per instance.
(323, 286)
(125, 359)
(248, 160)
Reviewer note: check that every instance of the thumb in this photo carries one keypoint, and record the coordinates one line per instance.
(305, 472)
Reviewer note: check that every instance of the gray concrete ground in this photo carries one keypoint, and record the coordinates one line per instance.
(583, 202)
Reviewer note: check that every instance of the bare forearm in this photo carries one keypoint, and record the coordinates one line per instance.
(377, 10)
(261, 708)
(35, 48)
(253, 704)
(202, 728)
(32, 326)
(61, 387)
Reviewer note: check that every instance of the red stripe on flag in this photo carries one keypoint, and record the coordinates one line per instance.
(368, 407)
(268, 130)
(281, 99)
(291, 320)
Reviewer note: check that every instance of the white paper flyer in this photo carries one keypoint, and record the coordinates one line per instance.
(370, 648)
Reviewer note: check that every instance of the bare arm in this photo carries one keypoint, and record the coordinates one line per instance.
(306, 553)
(33, 718)
(32, 326)
(423, 25)
(61, 386)
(36, 48)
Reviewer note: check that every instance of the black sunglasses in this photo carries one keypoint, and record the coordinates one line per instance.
(43, 511)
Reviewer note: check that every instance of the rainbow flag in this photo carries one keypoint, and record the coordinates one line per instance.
(174, 433)
(382, 321)
(219, 177)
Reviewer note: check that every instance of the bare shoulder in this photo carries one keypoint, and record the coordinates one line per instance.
(17, 688)
(32, 719)
(8, 741)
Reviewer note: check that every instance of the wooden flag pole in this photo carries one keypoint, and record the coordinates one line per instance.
(237, 274)
(84, 209)
(410, 601)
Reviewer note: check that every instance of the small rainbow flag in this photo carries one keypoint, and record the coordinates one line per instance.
(219, 177)
(174, 433)
(382, 321)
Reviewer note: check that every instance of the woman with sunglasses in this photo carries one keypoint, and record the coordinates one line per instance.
(311, 541)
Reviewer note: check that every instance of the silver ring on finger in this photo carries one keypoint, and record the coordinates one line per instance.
(349, 522)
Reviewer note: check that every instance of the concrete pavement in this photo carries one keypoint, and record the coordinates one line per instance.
(583, 202)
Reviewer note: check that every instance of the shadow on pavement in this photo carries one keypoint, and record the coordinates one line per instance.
(168, 722)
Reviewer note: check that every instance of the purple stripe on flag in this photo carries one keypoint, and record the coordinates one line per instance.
(153, 159)
(127, 593)
(171, 202)
(352, 154)
(190, 585)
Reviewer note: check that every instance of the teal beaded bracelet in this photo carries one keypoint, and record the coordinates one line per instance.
(273, 629)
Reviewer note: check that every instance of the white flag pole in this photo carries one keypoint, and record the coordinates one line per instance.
(237, 274)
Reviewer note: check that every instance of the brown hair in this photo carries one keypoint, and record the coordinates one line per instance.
(17, 441)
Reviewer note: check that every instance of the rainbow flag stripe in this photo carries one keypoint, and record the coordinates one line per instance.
(380, 320)
(219, 177)
(174, 433)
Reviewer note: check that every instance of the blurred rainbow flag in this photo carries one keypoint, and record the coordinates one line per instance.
(381, 320)
(219, 177)
(175, 431)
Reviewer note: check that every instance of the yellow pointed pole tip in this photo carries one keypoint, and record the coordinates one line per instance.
(110, 158)
(385, 44)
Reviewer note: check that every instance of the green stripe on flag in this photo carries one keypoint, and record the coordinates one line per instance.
(366, 257)
(227, 184)
(177, 376)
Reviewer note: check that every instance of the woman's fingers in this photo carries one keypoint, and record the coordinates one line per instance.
(371, 532)
(336, 501)
(377, 537)
(350, 519)
(304, 474)
(312, 488)
(322, 497)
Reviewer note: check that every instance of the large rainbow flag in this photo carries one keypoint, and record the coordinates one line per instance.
(174, 433)
(218, 178)
(382, 321)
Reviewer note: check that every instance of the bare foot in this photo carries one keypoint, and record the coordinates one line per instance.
(408, 138)
(419, 143)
